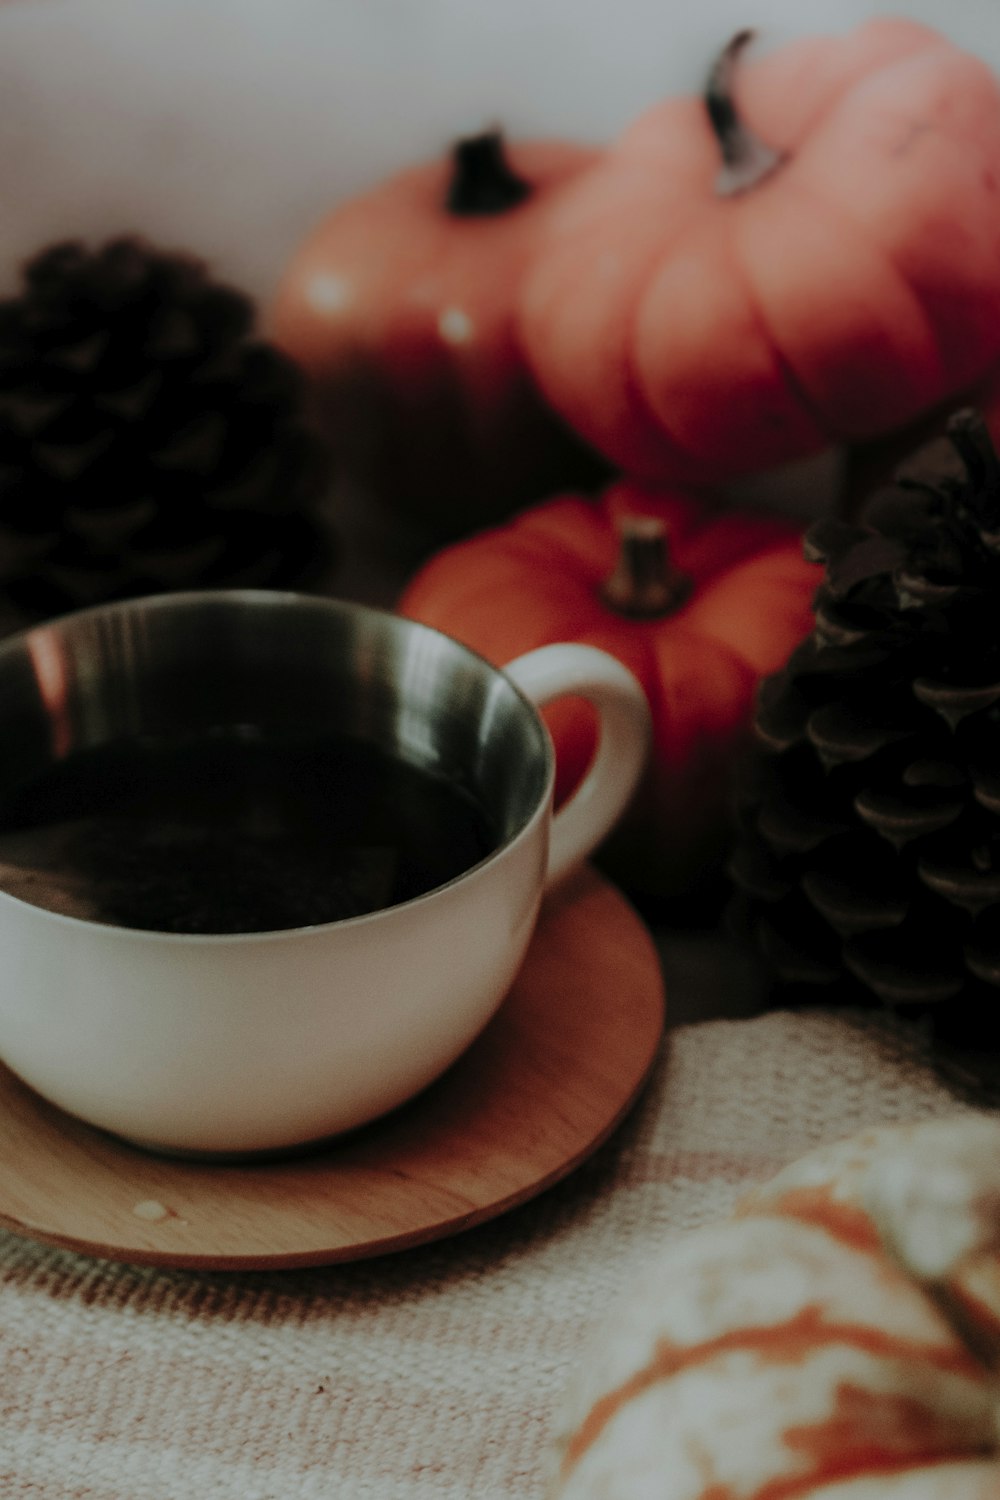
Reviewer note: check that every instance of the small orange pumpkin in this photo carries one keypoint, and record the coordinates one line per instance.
(695, 324)
(835, 1339)
(399, 307)
(698, 621)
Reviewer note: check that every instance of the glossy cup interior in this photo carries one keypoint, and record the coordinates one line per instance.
(184, 663)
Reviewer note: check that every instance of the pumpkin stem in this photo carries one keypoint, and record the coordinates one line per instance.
(645, 582)
(482, 180)
(746, 160)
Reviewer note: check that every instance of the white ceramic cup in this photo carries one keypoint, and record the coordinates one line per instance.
(256, 1042)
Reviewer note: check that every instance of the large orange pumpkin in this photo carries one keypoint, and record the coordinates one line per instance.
(836, 1339)
(697, 601)
(400, 309)
(694, 324)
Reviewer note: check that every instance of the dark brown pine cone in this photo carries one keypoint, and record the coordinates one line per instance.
(148, 441)
(867, 862)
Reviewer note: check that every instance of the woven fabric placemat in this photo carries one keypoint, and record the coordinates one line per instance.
(433, 1374)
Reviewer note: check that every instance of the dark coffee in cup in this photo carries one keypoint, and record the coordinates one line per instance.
(236, 830)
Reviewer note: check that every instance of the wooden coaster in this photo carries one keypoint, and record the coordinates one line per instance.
(547, 1081)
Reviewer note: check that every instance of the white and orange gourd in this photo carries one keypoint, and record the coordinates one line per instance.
(837, 1338)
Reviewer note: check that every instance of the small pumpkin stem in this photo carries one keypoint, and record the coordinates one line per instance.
(482, 180)
(746, 160)
(645, 583)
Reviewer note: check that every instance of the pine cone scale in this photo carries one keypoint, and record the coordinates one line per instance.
(954, 703)
(900, 985)
(973, 890)
(850, 910)
(901, 748)
(901, 820)
(841, 733)
(148, 440)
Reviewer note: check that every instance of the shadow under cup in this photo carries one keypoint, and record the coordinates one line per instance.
(134, 1017)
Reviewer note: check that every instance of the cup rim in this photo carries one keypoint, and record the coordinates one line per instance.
(287, 598)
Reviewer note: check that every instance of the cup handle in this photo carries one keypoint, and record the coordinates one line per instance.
(623, 744)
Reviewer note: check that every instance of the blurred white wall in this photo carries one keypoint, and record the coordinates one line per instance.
(228, 126)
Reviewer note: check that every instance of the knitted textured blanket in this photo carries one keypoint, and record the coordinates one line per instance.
(433, 1374)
